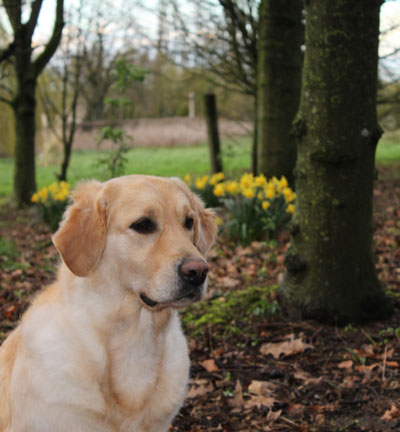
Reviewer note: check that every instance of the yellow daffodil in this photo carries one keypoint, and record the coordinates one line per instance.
(35, 197)
(215, 178)
(290, 208)
(265, 205)
(246, 180)
(218, 220)
(199, 183)
(270, 193)
(284, 182)
(219, 189)
(232, 187)
(187, 179)
(260, 180)
(248, 192)
(43, 194)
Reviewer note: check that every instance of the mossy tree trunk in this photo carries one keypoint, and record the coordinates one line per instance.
(23, 103)
(278, 85)
(331, 273)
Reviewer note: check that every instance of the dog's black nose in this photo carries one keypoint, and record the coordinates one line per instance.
(193, 271)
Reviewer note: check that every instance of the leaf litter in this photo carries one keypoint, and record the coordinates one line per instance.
(272, 374)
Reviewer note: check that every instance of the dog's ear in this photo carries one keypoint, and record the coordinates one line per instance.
(205, 228)
(80, 240)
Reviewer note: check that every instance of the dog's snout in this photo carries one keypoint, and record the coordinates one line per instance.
(193, 271)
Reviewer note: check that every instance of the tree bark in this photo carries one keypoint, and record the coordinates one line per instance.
(331, 273)
(278, 84)
(25, 127)
(210, 106)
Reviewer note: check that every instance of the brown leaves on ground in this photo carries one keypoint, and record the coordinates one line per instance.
(278, 376)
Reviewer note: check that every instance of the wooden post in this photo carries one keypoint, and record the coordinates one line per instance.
(213, 135)
(192, 105)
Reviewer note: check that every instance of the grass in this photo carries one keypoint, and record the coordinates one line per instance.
(173, 161)
(388, 150)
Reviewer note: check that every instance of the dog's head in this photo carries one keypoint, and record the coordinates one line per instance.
(147, 234)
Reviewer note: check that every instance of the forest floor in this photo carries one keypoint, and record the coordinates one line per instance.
(252, 368)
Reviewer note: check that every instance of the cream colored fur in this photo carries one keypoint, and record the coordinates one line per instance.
(89, 354)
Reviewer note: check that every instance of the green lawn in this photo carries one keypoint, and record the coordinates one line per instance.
(175, 161)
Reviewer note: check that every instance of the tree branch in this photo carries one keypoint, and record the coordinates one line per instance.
(13, 10)
(35, 10)
(43, 59)
(7, 101)
(8, 52)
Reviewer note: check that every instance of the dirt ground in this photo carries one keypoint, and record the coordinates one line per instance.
(256, 372)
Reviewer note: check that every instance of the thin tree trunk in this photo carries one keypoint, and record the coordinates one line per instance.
(331, 274)
(254, 149)
(210, 106)
(24, 164)
(278, 85)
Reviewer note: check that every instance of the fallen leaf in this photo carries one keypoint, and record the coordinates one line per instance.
(199, 390)
(347, 364)
(261, 388)
(273, 416)
(259, 401)
(391, 414)
(238, 401)
(209, 365)
(306, 377)
(286, 348)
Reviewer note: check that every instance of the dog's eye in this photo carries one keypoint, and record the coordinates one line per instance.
(144, 226)
(189, 223)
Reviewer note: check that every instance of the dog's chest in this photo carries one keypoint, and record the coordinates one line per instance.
(148, 369)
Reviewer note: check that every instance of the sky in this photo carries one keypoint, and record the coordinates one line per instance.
(390, 17)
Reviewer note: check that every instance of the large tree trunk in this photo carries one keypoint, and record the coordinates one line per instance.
(331, 274)
(278, 84)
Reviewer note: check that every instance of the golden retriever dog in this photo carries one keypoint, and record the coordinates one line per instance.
(102, 349)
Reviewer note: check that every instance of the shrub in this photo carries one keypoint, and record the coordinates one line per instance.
(51, 202)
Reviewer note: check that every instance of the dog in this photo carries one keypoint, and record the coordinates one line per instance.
(102, 348)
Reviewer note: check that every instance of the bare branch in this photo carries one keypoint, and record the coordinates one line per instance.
(7, 101)
(35, 10)
(52, 45)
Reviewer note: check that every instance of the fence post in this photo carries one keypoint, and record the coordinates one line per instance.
(213, 135)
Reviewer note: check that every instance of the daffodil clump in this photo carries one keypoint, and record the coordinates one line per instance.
(204, 187)
(256, 207)
(51, 202)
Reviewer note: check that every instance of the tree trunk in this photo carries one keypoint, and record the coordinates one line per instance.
(331, 274)
(278, 85)
(254, 148)
(24, 106)
(24, 102)
(210, 106)
(24, 161)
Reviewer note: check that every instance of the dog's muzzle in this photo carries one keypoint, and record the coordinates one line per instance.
(192, 274)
